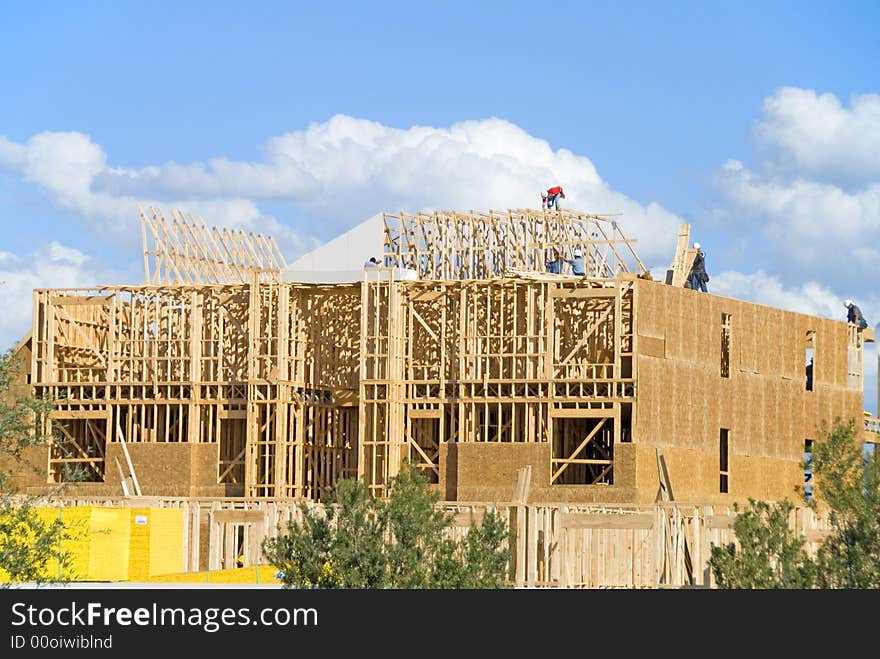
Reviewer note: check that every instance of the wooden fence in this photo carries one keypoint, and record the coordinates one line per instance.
(664, 545)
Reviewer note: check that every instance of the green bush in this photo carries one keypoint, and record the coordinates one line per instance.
(27, 544)
(357, 541)
(769, 555)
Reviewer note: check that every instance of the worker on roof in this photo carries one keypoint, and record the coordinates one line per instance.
(698, 276)
(854, 315)
(550, 199)
(554, 261)
(577, 263)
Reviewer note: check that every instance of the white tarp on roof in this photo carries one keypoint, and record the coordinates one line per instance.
(342, 259)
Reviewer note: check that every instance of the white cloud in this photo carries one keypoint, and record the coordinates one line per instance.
(51, 266)
(12, 155)
(811, 218)
(69, 167)
(331, 175)
(813, 135)
(816, 194)
(809, 298)
(336, 174)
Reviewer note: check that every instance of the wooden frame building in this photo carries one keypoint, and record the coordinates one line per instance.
(460, 353)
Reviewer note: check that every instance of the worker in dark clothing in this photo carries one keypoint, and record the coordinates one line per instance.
(554, 261)
(550, 199)
(698, 276)
(854, 315)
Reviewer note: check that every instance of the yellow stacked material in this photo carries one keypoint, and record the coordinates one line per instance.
(76, 542)
(139, 544)
(108, 560)
(260, 574)
(117, 544)
(166, 540)
(73, 544)
(156, 545)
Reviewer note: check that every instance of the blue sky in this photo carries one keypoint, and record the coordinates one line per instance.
(758, 123)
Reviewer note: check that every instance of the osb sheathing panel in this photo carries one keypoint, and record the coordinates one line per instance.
(770, 435)
(492, 466)
(701, 411)
(792, 346)
(744, 336)
(679, 332)
(647, 476)
(204, 465)
(30, 471)
(645, 420)
(650, 311)
(703, 326)
(218, 490)
(742, 425)
(682, 400)
(487, 471)
(681, 387)
(448, 481)
(162, 469)
(624, 465)
(695, 477)
(769, 325)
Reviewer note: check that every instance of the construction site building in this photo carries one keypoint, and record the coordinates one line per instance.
(233, 374)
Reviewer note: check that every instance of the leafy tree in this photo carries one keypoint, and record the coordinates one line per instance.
(28, 544)
(482, 564)
(417, 528)
(358, 541)
(849, 483)
(769, 555)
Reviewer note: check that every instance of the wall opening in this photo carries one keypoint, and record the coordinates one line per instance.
(808, 469)
(809, 355)
(583, 451)
(425, 434)
(626, 422)
(725, 344)
(76, 453)
(723, 459)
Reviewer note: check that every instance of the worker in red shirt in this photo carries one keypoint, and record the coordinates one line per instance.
(550, 199)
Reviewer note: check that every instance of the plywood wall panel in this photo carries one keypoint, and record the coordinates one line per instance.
(764, 403)
(839, 357)
(773, 437)
(661, 309)
(789, 417)
(645, 408)
(666, 413)
(794, 331)
(766, 339)
(751, 417)
(710, 328)
(701, 416)
(649, 319)
(681, 409)
(674, 325)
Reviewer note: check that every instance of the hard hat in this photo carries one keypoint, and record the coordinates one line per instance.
(696, 245)
(578, 252)
(847, 303)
